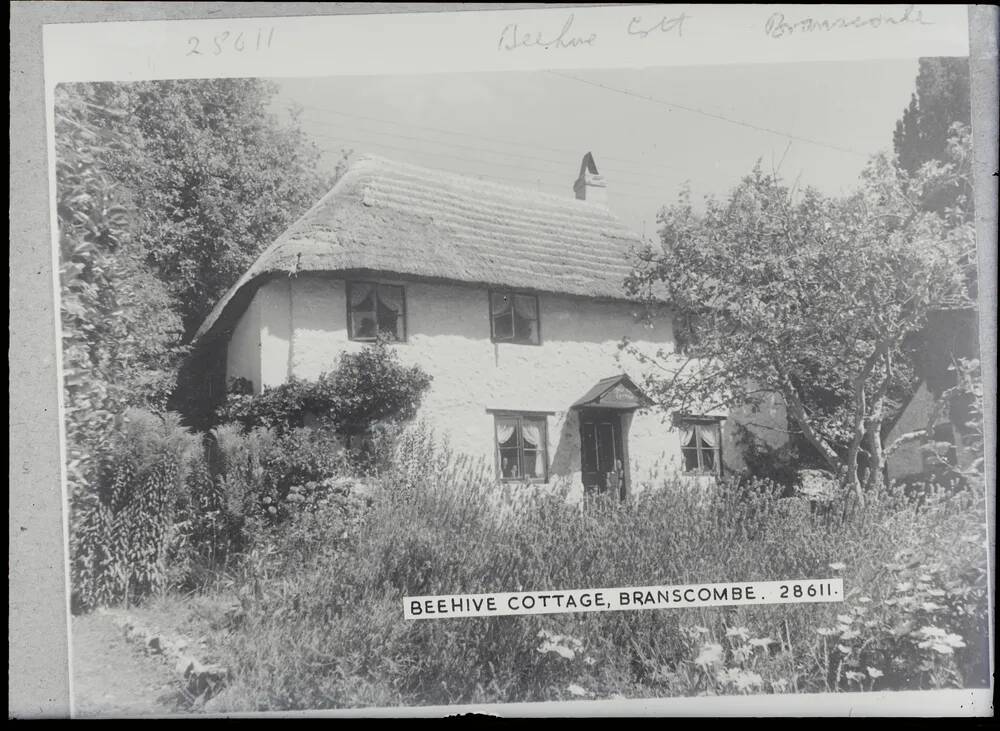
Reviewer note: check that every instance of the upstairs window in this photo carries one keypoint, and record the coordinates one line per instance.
(521, 451)
(701, 441)
(375, 308)
(514, 318)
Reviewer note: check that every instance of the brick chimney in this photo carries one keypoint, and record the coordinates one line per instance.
(590, 185)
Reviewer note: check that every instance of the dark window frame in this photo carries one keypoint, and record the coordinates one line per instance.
(514, 293)
(694, 421)
(520, 416)
(401, 319)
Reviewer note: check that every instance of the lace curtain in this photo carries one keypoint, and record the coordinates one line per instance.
(391, 298)
(501, 304)
(531, 435)
(360, 293)
(525, 307)
(708, 434)
(505, 430)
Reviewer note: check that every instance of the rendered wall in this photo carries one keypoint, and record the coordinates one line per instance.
(303, 331)
(907, 459)
(243, 354)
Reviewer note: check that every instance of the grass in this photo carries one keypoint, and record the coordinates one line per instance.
(322, 625)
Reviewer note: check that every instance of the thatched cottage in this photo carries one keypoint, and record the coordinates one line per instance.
(511, 299)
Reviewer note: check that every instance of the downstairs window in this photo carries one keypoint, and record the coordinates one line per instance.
(521, 447)
(701, 445)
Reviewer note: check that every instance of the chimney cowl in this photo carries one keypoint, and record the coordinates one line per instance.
(590, 185)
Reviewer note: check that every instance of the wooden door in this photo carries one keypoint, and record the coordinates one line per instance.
(601, 454)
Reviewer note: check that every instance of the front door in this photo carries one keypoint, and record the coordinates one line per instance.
(601, 455)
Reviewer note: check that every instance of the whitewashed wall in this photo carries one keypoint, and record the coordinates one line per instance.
(243, 352)
(302, 326)
(908, 459)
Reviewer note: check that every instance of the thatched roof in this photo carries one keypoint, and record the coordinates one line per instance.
(399, 219)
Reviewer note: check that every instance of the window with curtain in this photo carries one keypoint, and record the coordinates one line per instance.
(701, 446)
(514, 318)
(521, 448)
(375, 308)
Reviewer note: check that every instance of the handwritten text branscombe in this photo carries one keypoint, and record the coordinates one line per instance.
(778, 26)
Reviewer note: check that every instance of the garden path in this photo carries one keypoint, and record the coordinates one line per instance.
(113, 678)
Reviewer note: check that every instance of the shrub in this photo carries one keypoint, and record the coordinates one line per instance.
(365, 389)
(249, 484)
(121, 528)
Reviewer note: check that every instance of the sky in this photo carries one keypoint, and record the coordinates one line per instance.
(650, 130)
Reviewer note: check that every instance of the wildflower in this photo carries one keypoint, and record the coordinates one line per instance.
(864, 599)
(930, 607)
(936, 592)
(874, 673)
(745, 680)
(701, 630)
(825, 631)
(709, 655)
(576, 690)
(855, 676)
(844, 649)
(939, 640)
(838, 566)
(741, 654)
(728, 675)
(925, 578)
(558, 649)
(779, 686)
(740, 632)
(901, 629)
(849, 634)
(845, 618)
(761, 642)
(904, 586)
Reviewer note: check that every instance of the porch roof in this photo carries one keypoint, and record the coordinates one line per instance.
(614, 392)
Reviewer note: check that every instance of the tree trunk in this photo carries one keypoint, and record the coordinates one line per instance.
(797, 411)
(876, 472)
(877, 454)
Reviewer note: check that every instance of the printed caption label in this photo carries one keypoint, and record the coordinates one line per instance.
(624, 598)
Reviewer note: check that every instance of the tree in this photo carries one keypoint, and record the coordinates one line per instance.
(213, 178)
(805, 296)
(922, 134)
(120, 336)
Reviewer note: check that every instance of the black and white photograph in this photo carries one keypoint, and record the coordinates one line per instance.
(535, 386)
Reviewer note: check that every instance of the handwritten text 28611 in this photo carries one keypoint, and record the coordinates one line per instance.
(230, 42)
